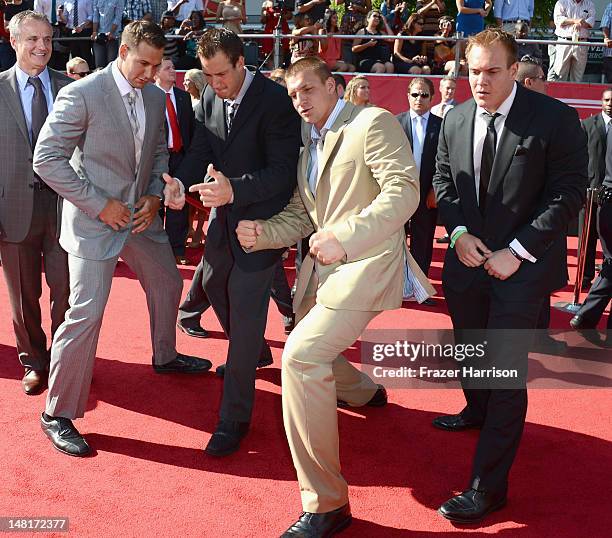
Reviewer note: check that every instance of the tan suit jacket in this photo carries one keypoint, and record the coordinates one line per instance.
(367, 188)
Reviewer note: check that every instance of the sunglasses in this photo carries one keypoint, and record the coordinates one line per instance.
(81, 75)
(423, 95)
(376, 16)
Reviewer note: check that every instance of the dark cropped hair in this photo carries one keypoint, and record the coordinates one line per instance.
(138, 31)
(310, 63)
(221, 40)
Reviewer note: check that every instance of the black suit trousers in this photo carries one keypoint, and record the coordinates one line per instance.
(240, 300)
(591, 244)
(601, 292)
(501, 411)
(22, 265)
(422, 228)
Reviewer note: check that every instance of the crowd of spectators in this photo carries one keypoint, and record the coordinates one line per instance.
(98, 24)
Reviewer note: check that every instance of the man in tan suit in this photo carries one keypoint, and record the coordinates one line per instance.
(357, 185)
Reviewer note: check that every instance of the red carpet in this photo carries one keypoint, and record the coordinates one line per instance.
(150, 478)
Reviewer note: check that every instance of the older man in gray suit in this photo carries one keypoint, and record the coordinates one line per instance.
(28, 207)
(113, 122)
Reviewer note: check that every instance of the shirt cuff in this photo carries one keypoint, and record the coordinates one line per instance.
(520, 250)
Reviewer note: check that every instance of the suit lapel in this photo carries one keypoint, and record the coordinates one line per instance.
(600, 127)
(217, 123)
(148, 140)
(332, 137)
(9, 90)
(116, 108)
(466, 185)
(408, 128)
(517, 121)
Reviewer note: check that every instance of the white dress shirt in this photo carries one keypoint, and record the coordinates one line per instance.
(26, 92)
(124, 88)
(419, 128)
(186, 9)
(44, 7)
(441, 109)
(571, 9)
(480, 131)
(316, 148)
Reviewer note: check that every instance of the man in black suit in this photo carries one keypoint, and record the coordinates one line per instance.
(247, 146)
(422, 129)
(600, 293)
(29, 225)
(511, 174)
(596, 129)
(180, 124)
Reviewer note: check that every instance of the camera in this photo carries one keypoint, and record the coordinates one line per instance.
(283, 5)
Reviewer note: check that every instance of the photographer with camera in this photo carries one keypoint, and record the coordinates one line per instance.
(107, 15)
(271, 11)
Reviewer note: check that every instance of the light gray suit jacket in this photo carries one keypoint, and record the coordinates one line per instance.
(89, 119)
(16, 173)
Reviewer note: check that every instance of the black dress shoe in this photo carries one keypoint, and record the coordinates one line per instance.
(378, 400)
(263, 362)
(196, 332)
(471, 506)
(64, 436)
(444, 239)
(184, 364)
(34, 381)
(455, 423)
(578, 323)
(320, 525)
(428, 302)
(226, 438)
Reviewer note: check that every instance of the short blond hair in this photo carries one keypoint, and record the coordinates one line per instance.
(490, 37)
(73, 62)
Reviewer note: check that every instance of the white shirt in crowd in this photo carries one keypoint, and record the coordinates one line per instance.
(573, 9)
(186, 9)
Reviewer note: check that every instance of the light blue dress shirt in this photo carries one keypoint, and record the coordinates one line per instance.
(511, 10)
(26, 92)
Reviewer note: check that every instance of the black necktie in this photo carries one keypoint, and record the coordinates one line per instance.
(488, 156)
(39, 108)
(608, 176)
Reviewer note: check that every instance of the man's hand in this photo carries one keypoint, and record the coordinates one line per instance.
(471, 250)
(326, 248)
(248, 231)
(115, 213)
(502, 264)
(430, 201)
(216, 193)
(174, 196)
(148, 207)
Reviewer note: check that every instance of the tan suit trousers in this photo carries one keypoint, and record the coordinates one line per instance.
(314, 376)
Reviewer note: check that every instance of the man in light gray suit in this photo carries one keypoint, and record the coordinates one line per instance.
(28, 207)
(113, 122)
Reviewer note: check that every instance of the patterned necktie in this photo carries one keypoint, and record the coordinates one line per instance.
(131, 97)
(39, 108)
(232, 107)
(75, 14)
(488, 157)
(313, 164)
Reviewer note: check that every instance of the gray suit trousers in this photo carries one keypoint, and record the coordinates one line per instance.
(74, 346)
(22, 265)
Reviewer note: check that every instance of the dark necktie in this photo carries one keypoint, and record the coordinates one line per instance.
(488, 156)
(232, 107)
(608, 176)
(53, 11)
(75, 14)
(39, 108)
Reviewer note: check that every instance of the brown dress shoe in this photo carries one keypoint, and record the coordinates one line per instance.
(34, 381)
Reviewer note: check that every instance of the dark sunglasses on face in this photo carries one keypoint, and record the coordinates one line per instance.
(423, 95)
(81, 75)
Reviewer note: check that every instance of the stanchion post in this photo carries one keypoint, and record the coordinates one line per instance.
(575, 305)
(277, 32)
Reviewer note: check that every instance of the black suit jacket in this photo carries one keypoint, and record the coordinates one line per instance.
(259, 156)
(186, 121)
(595, 129)
(537, 186)
(430, 147)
